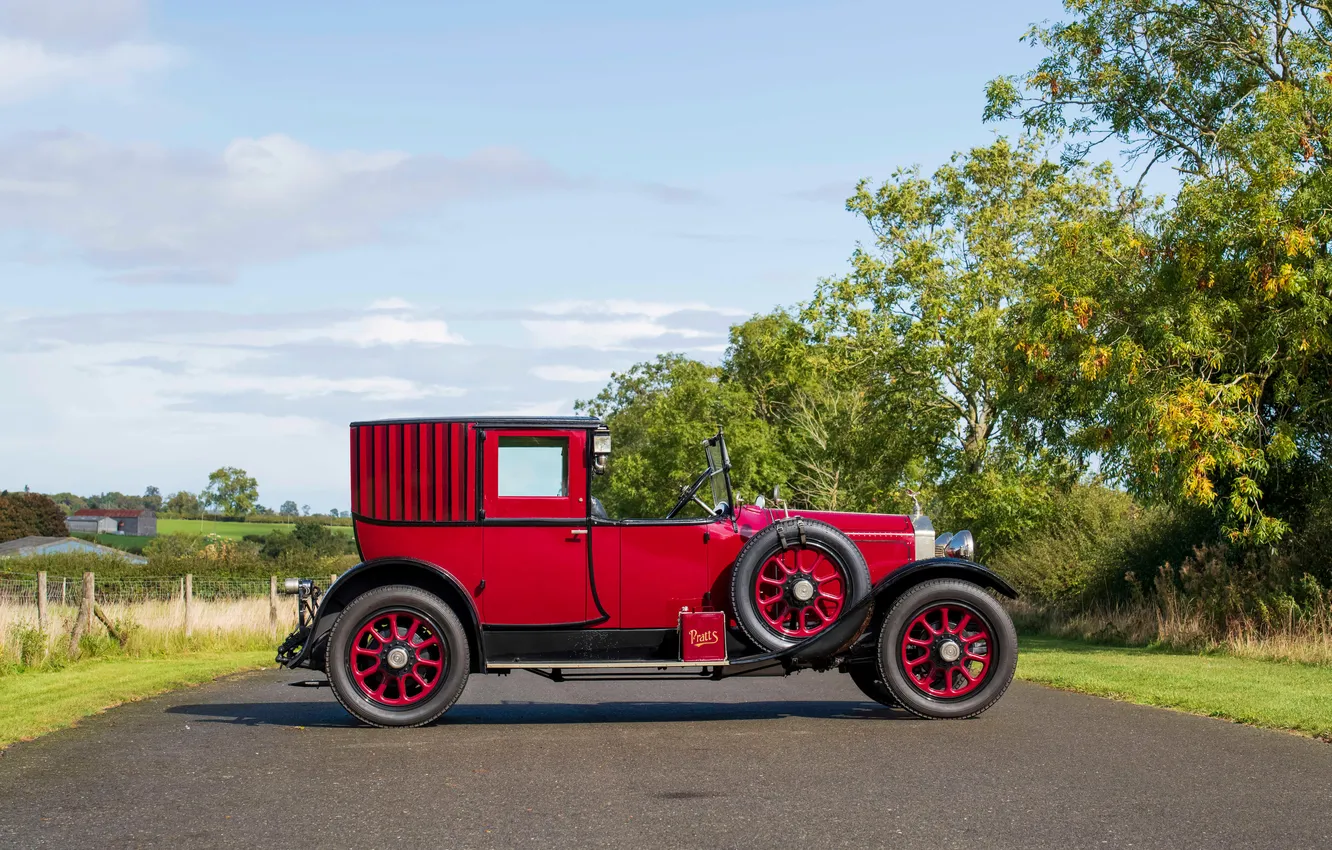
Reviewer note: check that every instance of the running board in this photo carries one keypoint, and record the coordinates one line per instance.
(600, 665)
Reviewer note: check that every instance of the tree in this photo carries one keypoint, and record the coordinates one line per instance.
(289, 509)
(152, 499)
(30, 515)
(183, 502)
(305, 510)
(231, 491)
(1204, 357)
(659, 413)
(333, 512)
(928, 320)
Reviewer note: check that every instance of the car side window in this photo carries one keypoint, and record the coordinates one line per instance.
(533, 466)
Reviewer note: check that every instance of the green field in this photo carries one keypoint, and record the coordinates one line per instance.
(39, 702)
(234, 530)
(1296, 697)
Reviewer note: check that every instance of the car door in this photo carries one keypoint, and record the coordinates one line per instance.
(534, 524)
(663, 568)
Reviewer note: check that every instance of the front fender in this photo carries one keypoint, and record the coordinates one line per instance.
(382, 571)
(929, 568)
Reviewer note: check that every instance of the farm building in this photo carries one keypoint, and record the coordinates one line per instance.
(28, 546)
(127, 521)
(91, 524)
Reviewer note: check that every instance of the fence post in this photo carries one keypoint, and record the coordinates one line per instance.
(272, 605)
(332, 578)
(41, 602)
(189, 596)
(86, 612)
(63, 583)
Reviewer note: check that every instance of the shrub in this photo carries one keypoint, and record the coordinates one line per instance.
(30, 515)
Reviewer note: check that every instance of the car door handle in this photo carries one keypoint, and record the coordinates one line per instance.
(577, 531)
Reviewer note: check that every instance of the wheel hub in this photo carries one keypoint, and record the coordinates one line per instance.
(950, 650)
(397, 658)
(803, 590)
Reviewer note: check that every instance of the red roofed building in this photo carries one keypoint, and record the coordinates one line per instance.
(141, 522)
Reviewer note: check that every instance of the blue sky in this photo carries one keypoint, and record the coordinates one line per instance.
(228, 229)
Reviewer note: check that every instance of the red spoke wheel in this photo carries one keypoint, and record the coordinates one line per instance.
(397, 656)
(947, 649)
(794, 580)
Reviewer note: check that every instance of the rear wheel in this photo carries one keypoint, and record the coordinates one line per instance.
(866, 677)
(947, 650)
(397, 656)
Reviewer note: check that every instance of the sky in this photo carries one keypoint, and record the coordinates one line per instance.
(229, 229)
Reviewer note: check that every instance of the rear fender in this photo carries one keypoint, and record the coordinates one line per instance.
(377, 573)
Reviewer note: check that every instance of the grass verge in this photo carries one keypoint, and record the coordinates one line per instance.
(37, 702)
(1294, 697)
(232, 530)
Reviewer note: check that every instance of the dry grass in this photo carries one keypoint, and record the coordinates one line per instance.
(1173, 623)
(154, 627)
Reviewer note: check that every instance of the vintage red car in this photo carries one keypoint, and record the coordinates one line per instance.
(484, 552)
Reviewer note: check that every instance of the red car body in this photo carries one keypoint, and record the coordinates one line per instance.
(542, 581)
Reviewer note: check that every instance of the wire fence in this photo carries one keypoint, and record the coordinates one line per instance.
(22, 589)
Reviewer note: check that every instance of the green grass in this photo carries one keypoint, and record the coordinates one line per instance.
(128, 542)
(37, 702)
(1294, 697)
(234, 530)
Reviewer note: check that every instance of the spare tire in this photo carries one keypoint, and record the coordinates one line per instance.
(794, 579)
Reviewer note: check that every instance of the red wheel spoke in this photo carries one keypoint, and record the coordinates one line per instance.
(955, 679)
(375, 636)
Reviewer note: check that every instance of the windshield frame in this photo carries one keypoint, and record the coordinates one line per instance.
(719, 471)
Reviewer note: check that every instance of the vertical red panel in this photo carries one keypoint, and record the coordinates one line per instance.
(394, 472)
(458, 473)
(410, 479)
(381, 471)
(355, 465)
(364, 496)
(440, 471)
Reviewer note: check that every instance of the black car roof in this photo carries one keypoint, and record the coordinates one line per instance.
(496, 421)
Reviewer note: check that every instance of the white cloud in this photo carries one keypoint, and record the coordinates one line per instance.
(154, 215)
(391, 304)
(79, 23)
(364, 332)
(630, 307)
(30, 68)
(571, 374)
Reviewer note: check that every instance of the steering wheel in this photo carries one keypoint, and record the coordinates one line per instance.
(690, 494)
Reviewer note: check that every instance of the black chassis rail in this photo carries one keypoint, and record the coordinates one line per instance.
(820, 652)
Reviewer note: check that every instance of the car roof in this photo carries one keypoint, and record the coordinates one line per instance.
(496, 421)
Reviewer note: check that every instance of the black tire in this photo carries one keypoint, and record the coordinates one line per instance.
(441, 621)
(962, 597)
(820, 536)
(866, 677)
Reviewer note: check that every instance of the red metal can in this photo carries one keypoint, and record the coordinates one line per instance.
(702, 636)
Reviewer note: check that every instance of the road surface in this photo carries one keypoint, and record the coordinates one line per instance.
(802, 762)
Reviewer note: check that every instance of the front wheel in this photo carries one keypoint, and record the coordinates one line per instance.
(397, 656)
(947, 650)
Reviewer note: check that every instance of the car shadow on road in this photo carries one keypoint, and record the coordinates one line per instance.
(330, 714)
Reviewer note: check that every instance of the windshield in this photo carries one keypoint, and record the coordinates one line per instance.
(718, 465)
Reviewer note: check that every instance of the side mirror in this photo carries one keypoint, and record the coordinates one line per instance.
(760, 502)
(776, 492)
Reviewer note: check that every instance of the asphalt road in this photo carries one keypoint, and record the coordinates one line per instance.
(781, 763)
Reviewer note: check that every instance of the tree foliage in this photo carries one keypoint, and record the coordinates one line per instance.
(231, 491)
(30, 515)
(1204, 350)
